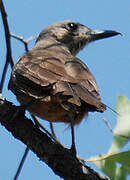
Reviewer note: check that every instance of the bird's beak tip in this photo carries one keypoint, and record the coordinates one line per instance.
(120, 34)
(101, 34)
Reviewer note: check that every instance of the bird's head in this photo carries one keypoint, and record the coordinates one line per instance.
(72, 35)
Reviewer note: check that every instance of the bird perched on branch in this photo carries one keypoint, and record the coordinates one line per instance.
(51, 82)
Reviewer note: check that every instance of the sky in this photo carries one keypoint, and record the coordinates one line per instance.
(108, 60)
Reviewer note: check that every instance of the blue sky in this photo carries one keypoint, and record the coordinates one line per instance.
(108, 60)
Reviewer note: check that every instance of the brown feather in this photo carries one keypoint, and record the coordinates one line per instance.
(49, 80)
(61, 75)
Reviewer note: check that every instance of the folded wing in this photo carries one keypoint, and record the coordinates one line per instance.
(41, 74)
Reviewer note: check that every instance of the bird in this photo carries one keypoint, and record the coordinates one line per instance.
(51, 82)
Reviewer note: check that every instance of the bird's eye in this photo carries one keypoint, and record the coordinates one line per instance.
(72, 26)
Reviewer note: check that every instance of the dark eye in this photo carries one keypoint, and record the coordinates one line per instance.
(72, 26)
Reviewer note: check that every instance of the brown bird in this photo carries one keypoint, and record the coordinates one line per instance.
(51, 82)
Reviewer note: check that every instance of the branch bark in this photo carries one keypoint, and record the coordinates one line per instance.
(58, 158)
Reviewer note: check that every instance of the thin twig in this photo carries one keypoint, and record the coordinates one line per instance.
(7, 34)
(21, 164)
(108, 125)
(3, 76)
(24, 41)
(9, 58)
(110, 128)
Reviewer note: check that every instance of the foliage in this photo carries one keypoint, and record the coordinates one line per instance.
(116, 164)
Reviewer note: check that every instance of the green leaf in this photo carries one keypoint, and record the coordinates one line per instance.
(116, 166)
(123, 124)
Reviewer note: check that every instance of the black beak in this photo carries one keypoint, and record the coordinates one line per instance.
(101, 34)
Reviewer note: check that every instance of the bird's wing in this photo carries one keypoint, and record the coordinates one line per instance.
(40, 74)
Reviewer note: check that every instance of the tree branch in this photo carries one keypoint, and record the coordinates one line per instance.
(58, 158)
(25, 42)
(8, 44)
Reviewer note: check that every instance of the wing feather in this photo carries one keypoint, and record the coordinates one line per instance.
(62, 73)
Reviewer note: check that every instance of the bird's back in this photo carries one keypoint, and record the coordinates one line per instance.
(51, 81)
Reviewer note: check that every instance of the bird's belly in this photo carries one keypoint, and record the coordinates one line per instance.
(51, 110)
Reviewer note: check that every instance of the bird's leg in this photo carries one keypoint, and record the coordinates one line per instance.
(52, 130)
(54, 134)
(72, 118)
(39, 125)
